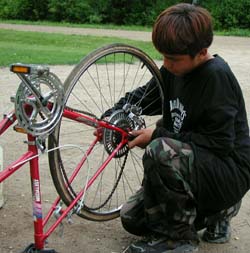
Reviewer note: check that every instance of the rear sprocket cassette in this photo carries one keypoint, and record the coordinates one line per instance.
(112, 138)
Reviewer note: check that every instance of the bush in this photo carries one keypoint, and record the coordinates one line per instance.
(16, 9)
(120, 12)
(227, 14)
(23, 9)
(135, 12)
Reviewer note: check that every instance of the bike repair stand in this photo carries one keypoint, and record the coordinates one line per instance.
(39, 236)
(32, 249)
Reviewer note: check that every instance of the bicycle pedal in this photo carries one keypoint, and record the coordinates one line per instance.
(29, 69)
(19, 129)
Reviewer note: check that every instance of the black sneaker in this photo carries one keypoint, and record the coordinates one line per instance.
(220, 232)
(162, 245)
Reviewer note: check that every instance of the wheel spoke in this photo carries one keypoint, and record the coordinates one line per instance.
(92, 88)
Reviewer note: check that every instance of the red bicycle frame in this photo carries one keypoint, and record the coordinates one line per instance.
(31, 156)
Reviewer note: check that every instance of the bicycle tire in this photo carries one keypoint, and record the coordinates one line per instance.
(116, 61)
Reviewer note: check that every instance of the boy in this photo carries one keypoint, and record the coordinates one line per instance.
(197, 159)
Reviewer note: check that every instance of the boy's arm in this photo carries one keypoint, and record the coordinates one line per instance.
(218, 134)
(147, 97)
(220, 120)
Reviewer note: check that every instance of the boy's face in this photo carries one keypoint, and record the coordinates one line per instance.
(181, 64)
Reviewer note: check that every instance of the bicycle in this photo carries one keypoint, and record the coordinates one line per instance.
(96, 178)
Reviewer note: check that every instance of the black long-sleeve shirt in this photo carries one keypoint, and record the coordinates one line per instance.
(206, 109)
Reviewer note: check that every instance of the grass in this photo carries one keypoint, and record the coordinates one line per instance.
(234, 32)
(45, 48)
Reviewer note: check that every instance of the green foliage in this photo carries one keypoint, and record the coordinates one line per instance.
(227, 14)
(15, 9)
(120, 12)
(39, 9)
(69, 11)
(23, 9)
(135, 12)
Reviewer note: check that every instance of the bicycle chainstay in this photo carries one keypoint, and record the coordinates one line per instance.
(117, 119)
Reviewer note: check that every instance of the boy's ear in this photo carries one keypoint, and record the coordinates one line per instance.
(203, 52)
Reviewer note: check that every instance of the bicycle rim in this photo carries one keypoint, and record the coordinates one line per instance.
(93, 87)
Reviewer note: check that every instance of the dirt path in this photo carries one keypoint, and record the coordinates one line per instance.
(144, 36)
(16, 229)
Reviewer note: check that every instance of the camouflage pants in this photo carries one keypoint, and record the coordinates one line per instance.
(166, 204)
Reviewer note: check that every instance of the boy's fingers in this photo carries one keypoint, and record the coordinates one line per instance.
(131, 144)
(135, 132)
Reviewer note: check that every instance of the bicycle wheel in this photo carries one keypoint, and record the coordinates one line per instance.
(93, 86)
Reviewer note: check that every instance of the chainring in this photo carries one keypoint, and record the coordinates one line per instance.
(40, 119)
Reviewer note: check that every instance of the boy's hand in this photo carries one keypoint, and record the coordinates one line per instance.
(142, 138)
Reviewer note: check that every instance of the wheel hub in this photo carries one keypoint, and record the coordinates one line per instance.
(111, 138)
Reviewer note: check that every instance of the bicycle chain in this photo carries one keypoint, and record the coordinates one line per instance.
(83, 112)
(66, 177)
(113, 190)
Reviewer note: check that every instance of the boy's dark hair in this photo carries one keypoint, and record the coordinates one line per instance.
(183, 29)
